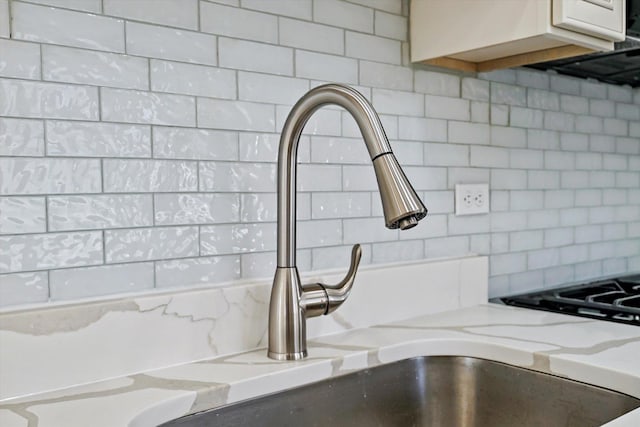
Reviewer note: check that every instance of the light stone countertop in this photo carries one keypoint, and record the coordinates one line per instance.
(596, 352)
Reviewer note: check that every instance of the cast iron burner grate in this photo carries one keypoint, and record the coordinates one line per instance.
(616, 300)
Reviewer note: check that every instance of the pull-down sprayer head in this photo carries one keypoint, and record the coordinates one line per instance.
(401, 205)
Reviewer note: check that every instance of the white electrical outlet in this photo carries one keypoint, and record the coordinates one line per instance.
(472, 199)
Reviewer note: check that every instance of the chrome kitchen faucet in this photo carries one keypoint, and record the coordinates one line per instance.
(291, 302)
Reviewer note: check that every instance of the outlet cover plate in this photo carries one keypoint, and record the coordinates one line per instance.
(472, 199)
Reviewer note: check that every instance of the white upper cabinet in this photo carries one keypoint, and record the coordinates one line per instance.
(481, 35)
(599, 18)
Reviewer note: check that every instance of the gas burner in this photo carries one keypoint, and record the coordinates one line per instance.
(615, 300)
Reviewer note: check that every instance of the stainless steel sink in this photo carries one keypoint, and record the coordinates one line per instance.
(441, 391)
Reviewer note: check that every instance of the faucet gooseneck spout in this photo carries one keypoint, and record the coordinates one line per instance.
(291, 302)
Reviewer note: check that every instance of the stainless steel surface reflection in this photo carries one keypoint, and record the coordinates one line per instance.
(444, 391)
(291, 301)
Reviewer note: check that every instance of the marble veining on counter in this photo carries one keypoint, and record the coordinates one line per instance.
(71, 345)
(595, 352)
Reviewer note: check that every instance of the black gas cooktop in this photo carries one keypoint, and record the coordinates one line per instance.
(616, 300)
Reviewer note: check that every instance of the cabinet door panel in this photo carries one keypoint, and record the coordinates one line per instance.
(599, 18)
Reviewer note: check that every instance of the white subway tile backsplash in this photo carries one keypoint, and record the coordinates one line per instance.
(543, 99)
(308, 178)
(558, 199)
(543, 219)
(240, 177)
(237, 115)
(65, 27)
(532, 79)
(441, 84)
(86, 5)
(146, 244)
(392, 26)
(119, 105)
(48, 100)
(321, 66)
(69, 65)
(502, 93)
(469, 133)
(19, 59)
(340, 205)
(626, 179)
(183, 13)
(188, 79)
(419, 129)
(628, 111)
(564, 84)
(310, 36)
(628, 146)
(480, 112)
(439, 107)
(194, 144)
(49, 176)
(468, 224)
(155, 126)
(131, 176)
(52, 250)
(296, 9)
(602, 107)
(489, 157)
(270, 89)
(23, 288)
(526, 159)
(87, 139)
(616, 196)
(508, 137)
(377, 74)
(196, 208)
(592, 89)
(66, 213)
(620, 93)
(395, 102)
(475, 89)
(526, 117)
(574, 104)
(20, 137)
(504, 179)
(543, 258)
(615, 127)
(525, 240)
(22, 215)
(447, 154)
(554, 237)
(74, 283)
(372, 48)
(342, 14)
(338, 150)
(508, 263)
(168, 43)
(235, 22)
(197, 271)
(589, 124)
(337, 257)
(5, 25)
(555, 120)
(319, 233)
(508, 221)
(263, 147)
(588, 197)
(237, 238)
(367, 230)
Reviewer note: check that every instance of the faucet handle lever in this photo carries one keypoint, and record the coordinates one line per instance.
(338, 293)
